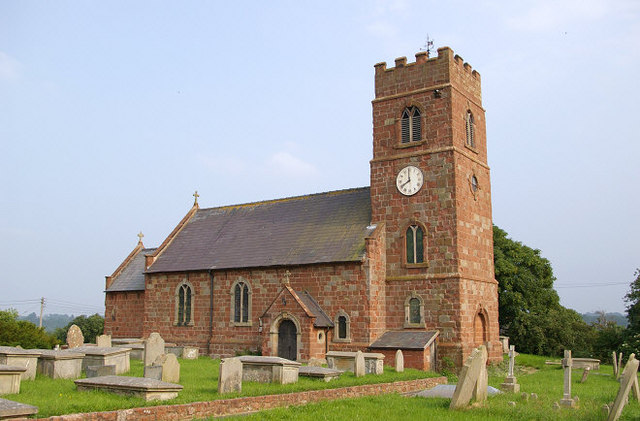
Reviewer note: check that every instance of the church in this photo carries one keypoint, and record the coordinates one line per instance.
(405, 263)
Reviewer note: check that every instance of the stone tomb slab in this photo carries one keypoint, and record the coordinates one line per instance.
(100, 370)
(326, 374)
(345, 361)
(11, 409)
(269, 369)
(137, 350)
(27, 358)
(10, 376)
(105, 356)
(147, 389)
(62, 364)
(173, 349)
(591, 363)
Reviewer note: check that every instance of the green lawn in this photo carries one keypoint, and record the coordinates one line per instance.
(533, 375)
(200, 381)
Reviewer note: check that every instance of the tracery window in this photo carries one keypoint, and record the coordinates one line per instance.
(415, 244)
(241, 302)
(184, 307)
(411, 125)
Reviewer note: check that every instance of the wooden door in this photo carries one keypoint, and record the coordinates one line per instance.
(287, 340)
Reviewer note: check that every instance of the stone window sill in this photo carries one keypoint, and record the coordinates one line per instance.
(472, 149)
(409, 145)
(343, 341)
(416, 265)
(190, 324)
(414, 325)
(242, 324)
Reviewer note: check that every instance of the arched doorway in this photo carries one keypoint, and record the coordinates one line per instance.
(479, 330)
(287, 340)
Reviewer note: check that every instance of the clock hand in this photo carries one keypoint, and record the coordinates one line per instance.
(406, 182)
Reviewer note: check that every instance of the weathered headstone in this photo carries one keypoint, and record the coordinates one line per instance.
(104, 341)
(615, 365)
(359, 369)
(585, 374)
(628, 377)
(399, 361)
(567, 363)
(170, 367)
(619, 365)
(75, 337)
(190, 353)
(511, 383)
(230, 376)
(153, 347)
(472, 383)
(153, 372)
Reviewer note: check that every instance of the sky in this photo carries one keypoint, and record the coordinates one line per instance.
(113, 113)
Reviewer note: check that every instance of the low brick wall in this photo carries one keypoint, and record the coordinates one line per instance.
(225, 407)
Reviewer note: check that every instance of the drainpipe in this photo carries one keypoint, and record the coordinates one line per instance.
(210, 311)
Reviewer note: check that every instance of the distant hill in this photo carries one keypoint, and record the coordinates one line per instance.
(50, 322)
(619, 318)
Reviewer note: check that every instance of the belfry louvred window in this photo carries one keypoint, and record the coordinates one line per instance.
(415, 244)
(411, 125)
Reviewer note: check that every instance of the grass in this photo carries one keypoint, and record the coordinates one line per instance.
(533, 375)
(200, 381)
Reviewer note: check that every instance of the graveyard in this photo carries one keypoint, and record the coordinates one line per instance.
(542, 391)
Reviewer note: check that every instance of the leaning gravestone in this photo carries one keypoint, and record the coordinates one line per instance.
(74, 337)
(359, 369)
(473, 379)
(153, 347)
(170, 367)
(615, 365)
(399, 361)
(230, 377)
(629, 377)
(103, 341)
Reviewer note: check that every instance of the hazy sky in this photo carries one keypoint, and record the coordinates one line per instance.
(113, 113)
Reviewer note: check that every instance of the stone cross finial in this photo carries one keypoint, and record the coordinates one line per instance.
(287, 274)
(196, 195)
(140, 235)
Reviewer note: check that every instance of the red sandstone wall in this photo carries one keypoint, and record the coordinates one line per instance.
(124, 314)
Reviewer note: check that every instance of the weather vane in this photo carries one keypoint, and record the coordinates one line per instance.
(428, 46)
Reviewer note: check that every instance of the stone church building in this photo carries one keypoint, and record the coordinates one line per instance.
(404, 263)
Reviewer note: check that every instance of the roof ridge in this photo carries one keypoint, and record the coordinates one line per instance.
(289, 199)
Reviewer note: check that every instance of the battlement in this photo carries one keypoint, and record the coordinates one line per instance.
(426, 72)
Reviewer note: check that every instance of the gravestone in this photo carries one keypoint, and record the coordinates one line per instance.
(170, 367)
(230, 377)
(399, 361)
(585, 374)
(359, 369)
(104, 341)
(152, 372)
(629, 376)
(190, 353)
(567, 363)
(317, 362)
(615, 365)
(75, 337)
(510, 383)
(472, 383)
(619, 365)
(153, 347)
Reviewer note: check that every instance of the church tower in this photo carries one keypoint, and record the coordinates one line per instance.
(430, 190)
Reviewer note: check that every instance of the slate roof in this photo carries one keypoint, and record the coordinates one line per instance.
(405, 339)
(319, 228)
(322, 320)
(131, 278)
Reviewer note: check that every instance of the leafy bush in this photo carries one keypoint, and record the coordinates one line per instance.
(14, 332)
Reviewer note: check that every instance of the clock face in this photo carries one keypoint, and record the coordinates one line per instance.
(409, 180)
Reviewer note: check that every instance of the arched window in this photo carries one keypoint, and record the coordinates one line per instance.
(241, 303)
(411, 125)
(342, 331)
(414, 311)
(342, 327)
(470, 129)
(184, 307)
(415, 244)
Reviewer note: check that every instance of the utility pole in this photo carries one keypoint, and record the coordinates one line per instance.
(41, 310)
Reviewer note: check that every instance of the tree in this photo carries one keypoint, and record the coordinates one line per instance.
(14, 332)
(632, 334)
(529, 308)
(609, 336)
(91, 327)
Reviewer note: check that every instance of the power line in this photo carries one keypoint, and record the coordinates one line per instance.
(592, 285)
